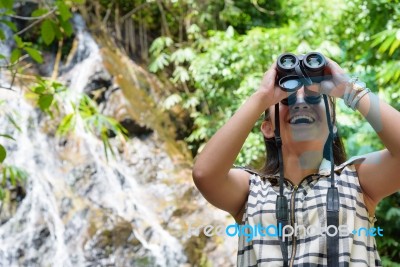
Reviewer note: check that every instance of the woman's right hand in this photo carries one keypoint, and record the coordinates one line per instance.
(269, 90)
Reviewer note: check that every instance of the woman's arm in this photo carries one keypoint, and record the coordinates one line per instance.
(222, 186)
(379, 172)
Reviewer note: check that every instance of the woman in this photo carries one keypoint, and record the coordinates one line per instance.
(250, 197)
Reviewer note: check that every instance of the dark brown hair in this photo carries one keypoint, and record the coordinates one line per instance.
(271, 165)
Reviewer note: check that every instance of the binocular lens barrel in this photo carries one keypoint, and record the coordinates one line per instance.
(314, 62)
(287, 62)
(295, 71)
(290, 83)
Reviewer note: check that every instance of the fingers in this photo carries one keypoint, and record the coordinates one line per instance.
(327, 87)
(271, 72)
(334, 67)
(268, 80)
(273, 66)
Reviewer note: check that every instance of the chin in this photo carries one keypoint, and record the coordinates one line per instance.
(301, 133)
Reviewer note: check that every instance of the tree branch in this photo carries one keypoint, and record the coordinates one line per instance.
(127, 15)
(37, 21)
(164, 22)
(263, 10)
(57, 60)
(33, 18)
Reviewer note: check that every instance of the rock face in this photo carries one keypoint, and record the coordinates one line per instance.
(78, 208)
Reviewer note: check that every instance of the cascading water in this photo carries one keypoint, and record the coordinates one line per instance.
(79, 208)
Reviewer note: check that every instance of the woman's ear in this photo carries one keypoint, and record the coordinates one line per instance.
(267, 129)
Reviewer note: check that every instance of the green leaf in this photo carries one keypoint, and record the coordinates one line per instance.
(22, 175)
(160, 44)
(47, 31)
(230, 32)
(67, 124)
(395, 45)
(172, 100)
(3, 153)
(39, 89)
(39, 12)
(58, 33)
(35, 54)
(15, 55)
(386, 44)
(180, 74)
(7, 136)
(19, 41)
(8, 4)
(13, 122)
(2, 194)
(12, 176)
(159, 63)
(67, 26)
(9, 24)
(2, 36)
(3, 183)
(45, 101)
(64, 11)
(182, 55)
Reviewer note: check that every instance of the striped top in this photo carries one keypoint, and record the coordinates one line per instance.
(308, 201)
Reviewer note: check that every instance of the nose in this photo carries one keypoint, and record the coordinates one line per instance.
(300, 100)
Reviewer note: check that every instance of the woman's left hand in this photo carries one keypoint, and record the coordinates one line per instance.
(335, 83)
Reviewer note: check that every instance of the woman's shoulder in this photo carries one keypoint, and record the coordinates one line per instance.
(343, 168)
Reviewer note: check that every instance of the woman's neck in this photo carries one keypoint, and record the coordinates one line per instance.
(296, 167)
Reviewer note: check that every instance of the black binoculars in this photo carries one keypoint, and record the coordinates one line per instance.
(295, 71)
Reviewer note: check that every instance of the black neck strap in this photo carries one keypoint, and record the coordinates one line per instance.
(281, 206)
(332, 200)
(332, 212)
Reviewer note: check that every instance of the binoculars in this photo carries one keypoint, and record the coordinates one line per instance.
(295, 71)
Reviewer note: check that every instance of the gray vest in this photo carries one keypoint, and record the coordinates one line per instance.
(258, 241)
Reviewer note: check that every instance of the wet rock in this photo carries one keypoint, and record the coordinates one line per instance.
(116, 244)
(134, 129)
(99, 83)
(14, 195)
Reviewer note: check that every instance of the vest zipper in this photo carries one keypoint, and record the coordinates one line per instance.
(292, 222)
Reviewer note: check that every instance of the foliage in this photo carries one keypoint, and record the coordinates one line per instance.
(228, 56)
(44, 92)
(3, 152)
(93, 121)
(388, 214)
(51, 23)
(11, 176)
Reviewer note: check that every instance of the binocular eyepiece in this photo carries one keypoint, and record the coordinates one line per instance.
(294, 71)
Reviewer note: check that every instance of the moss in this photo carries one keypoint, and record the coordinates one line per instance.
(194, 249)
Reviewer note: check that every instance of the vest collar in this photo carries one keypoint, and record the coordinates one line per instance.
(325, 166)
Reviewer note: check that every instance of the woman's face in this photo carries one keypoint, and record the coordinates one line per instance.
(302, 125)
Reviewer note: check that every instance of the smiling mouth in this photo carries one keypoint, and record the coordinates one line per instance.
(301, 119)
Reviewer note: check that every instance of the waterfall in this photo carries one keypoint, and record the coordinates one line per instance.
(81, 209)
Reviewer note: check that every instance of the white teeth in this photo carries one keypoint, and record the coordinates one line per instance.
(298, 117)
